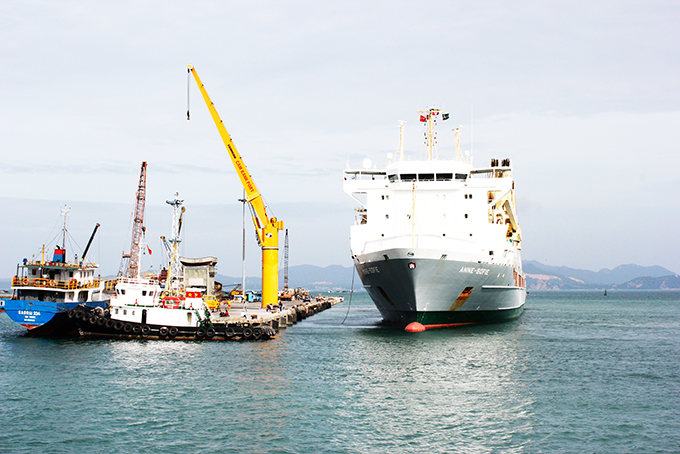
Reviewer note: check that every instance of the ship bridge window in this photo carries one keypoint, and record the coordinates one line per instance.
(392, 178)
(461, 176)
(408, 177)
(426, 176)
(444, 176)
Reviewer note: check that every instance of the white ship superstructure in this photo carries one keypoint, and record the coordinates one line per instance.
(438, 241)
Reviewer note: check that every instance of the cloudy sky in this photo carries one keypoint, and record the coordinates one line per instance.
(583, 96)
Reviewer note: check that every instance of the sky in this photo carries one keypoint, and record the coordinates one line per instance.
(583, 96)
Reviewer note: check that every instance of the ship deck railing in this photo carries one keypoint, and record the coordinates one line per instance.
(72, 284)
(48, 264)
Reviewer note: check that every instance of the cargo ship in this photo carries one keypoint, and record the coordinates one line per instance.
(436, 242)
(44, 290)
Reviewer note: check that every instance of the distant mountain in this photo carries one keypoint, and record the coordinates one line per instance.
(313, 278)
(539, 277)
(651, 283)
(546, 277)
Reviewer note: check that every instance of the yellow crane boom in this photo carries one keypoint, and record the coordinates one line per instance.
(267, 228)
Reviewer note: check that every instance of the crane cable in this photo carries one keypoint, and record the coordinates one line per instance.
(188, 84)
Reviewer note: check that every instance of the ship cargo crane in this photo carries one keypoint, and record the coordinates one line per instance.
(267, 227)
(133, 269)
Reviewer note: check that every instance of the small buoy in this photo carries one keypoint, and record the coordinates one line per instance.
(415, 327)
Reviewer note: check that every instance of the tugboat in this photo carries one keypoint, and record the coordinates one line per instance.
(161, 307)
(43, 291)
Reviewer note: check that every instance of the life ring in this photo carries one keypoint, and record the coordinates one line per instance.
(163, 331)
(25, 282)
(173, 331)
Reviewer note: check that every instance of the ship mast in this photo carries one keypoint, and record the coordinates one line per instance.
(285, 263)
(64, 212)
(429, 117)
(134, 265)
(175, 266)
(401, 140)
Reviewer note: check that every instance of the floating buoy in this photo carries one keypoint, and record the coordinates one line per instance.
(414, 327)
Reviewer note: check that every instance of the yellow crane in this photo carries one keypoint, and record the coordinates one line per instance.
(267, 227)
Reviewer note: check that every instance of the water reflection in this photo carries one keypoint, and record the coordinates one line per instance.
(459, 388)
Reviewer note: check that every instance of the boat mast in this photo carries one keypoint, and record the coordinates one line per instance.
(401, 140)
(175, 266)
(64, 212)
(428, 117)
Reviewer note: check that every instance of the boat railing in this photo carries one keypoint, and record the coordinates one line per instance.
(71, 284)
(38, 263)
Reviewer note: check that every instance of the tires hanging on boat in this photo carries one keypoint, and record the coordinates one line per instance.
(146, 329)
(229, 332)
(257, 333)
(200, 332)
(118, 325)
(173, 331)
(247, 333)
(210, 332)
(109, 323)
(163, 331)
(136, 329)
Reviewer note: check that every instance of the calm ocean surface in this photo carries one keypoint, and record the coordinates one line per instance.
(578, 372)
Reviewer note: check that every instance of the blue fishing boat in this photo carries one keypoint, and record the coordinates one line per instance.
(43, 290)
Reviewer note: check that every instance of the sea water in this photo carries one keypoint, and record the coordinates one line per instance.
(578, 372)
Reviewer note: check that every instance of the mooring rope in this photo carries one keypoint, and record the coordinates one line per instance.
(351, 292)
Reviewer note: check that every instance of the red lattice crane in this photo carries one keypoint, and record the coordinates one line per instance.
(134, 265)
